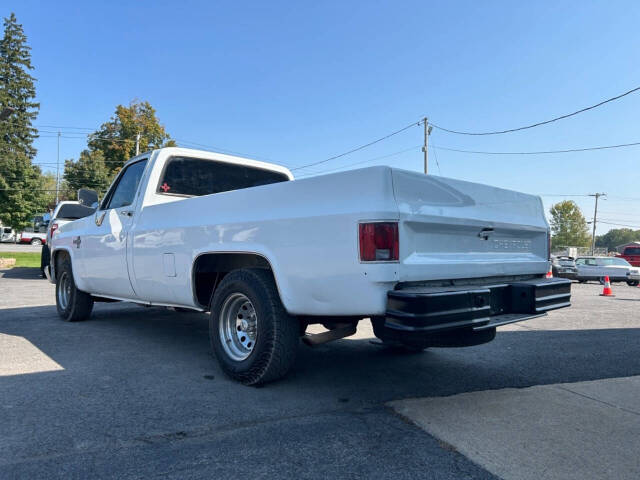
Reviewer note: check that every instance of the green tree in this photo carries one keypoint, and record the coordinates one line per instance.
(89, 171)
(17, 90)
(617, 236)
(568, 226)
(49, 186)
(116, 139)
(21, 183)
(21, 191)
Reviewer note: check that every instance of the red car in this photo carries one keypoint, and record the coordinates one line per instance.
(632, 255)
(34, 238)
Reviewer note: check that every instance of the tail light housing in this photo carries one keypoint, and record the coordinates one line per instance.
(379, 242)
(54, 227)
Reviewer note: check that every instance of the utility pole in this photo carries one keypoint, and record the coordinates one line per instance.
(427, 131)
(58, 170)
(595, 216)
(137, 144)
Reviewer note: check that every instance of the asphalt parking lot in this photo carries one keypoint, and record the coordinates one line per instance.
(135, 393)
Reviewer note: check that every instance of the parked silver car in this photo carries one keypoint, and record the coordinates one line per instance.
(617, 269)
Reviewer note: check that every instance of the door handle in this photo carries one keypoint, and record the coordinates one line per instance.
(126, 213)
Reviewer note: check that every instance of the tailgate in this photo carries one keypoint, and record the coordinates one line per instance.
(450, 229)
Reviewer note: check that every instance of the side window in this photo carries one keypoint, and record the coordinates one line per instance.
(125, 190)
(580, 261)
(592, 262)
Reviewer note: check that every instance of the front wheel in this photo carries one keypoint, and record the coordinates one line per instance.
(252, 336)
(633, 283)
(72, 304)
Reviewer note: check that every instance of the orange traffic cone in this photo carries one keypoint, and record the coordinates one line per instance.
(606, 291)
(549, 273)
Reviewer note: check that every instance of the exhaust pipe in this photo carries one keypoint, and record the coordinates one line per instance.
(313, 339)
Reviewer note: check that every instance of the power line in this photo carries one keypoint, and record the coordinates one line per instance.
(359, 148)
(542, 152)
(562, 195)
(632, 199)
(435, 154)
(561, 117)
(619, 224)
(322, 172)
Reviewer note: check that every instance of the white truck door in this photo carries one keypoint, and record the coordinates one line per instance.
(104, 246)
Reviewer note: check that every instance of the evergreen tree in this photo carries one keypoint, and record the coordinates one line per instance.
(17, 90)
(21, 183)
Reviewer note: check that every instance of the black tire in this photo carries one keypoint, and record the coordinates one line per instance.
(45, 257)
(632, 283)
(276, 332)
(72, 305)
(397, 343)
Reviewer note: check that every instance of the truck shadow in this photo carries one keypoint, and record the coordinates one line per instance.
(172, 350)
(23, 273)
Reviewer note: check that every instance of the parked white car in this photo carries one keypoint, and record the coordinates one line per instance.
(8, 235)
(617, 269)
(432, 261)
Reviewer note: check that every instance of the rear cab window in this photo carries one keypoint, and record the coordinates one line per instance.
(193, 177)
(632, 251)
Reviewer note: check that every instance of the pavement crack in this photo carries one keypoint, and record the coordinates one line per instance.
(598, 400)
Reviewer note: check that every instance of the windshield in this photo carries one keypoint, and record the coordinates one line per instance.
(73, 211)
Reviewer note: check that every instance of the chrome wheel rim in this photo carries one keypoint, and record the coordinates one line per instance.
(64, 290)
(238, 324)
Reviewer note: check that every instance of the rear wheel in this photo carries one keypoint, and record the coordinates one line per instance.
(252, 336)
(72, 304)
(633, 283)
(36, 241)
(44, 259)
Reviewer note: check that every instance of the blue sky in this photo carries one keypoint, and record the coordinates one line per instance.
(297, 82)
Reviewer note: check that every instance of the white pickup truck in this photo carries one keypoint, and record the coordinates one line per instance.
(431, 261)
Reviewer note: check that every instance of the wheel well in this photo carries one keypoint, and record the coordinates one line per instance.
(210, 268)
(58, 257)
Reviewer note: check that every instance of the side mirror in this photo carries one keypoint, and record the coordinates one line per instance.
(88, 198)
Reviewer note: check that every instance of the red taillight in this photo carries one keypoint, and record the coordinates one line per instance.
(379, 242)
(54, 227)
